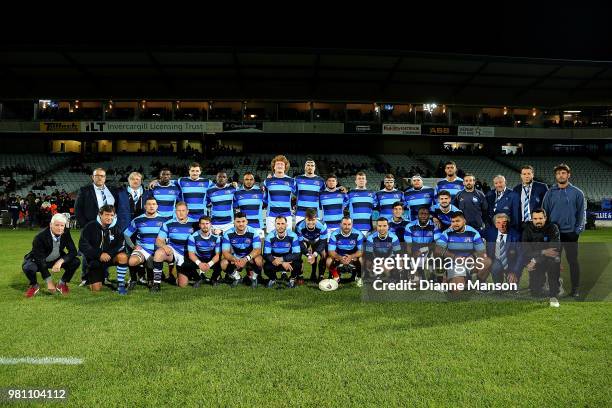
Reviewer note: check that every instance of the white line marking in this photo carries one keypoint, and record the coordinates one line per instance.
(41, 360)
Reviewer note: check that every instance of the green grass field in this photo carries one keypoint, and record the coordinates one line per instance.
(239, 347)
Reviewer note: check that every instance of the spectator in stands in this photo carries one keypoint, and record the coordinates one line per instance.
(566, 207)
(531, 192)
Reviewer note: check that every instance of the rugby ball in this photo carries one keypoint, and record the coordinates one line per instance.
(327, 285)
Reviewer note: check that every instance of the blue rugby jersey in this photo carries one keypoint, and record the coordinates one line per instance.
(361, 203)
(205, 248)
(419, 236)
(445, 218)
(415, 199)
(346, 245)
(398, 228)
(453, 187)
(167, 197)
(146, 230)
(251, 203)
(221, 201)
(176, 234)
(463, 243)
(193, 192)
(385, 200)
(333, 204)
(240, 245)
(317, 237)
(378, 246)
(287, 247)
(307, 191)
(278, 192)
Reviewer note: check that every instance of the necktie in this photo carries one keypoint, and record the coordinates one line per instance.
(497, 197)
(526, 213)
(103, 196)
(501, 252)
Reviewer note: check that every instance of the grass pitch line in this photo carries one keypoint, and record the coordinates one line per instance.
(41, 360)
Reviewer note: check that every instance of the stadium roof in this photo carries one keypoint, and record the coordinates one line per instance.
(298, 73)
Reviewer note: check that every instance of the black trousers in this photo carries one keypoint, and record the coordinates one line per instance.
(192, 271)
(30, 268)
(546, 268)
(569, 244)
(270, 270)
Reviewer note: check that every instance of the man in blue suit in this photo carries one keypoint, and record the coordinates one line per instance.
(503, 200)
(503, 247)
(131, 200)
(531, 194)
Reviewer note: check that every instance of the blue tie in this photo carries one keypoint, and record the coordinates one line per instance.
(103, 197)
(526, 213)
(501, 251)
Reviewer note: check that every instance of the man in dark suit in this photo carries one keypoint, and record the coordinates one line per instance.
(131, 200)
(53, 249)
(503, 200)
(503, 248)
(88, 203)
(92, 197)
(531, 194)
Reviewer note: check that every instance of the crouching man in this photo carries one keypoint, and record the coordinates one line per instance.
(52, 249)
(101, 244)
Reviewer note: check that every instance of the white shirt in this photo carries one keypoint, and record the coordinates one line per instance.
(110, 200)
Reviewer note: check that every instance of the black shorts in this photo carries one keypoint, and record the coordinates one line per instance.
(95, 271)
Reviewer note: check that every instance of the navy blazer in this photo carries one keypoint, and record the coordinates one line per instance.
(124, 211)
(509, 203)
(514, 251)
(86, 205)
(538, 191)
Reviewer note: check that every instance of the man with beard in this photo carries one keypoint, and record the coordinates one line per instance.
(473, 203)
(542, 255)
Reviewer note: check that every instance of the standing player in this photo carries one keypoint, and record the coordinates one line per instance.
(418, 196)
(282, 253)
(172, 244)
(473, 204)
(308, 188)
(193, 192)
(312, 235)
(250, 201)
(220, 197)
(387, 197)
(344, 251)
(241, 248)
(361, 203)
(451, 183)
(333, 203)
(442, 212)
(166, 193)
(398, 224)
(146, 227)
(204, 253)
(278, 189)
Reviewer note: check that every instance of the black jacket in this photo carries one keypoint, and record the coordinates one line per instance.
(86, 205)
(43, 245)
(537, 239)
(95, 240)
